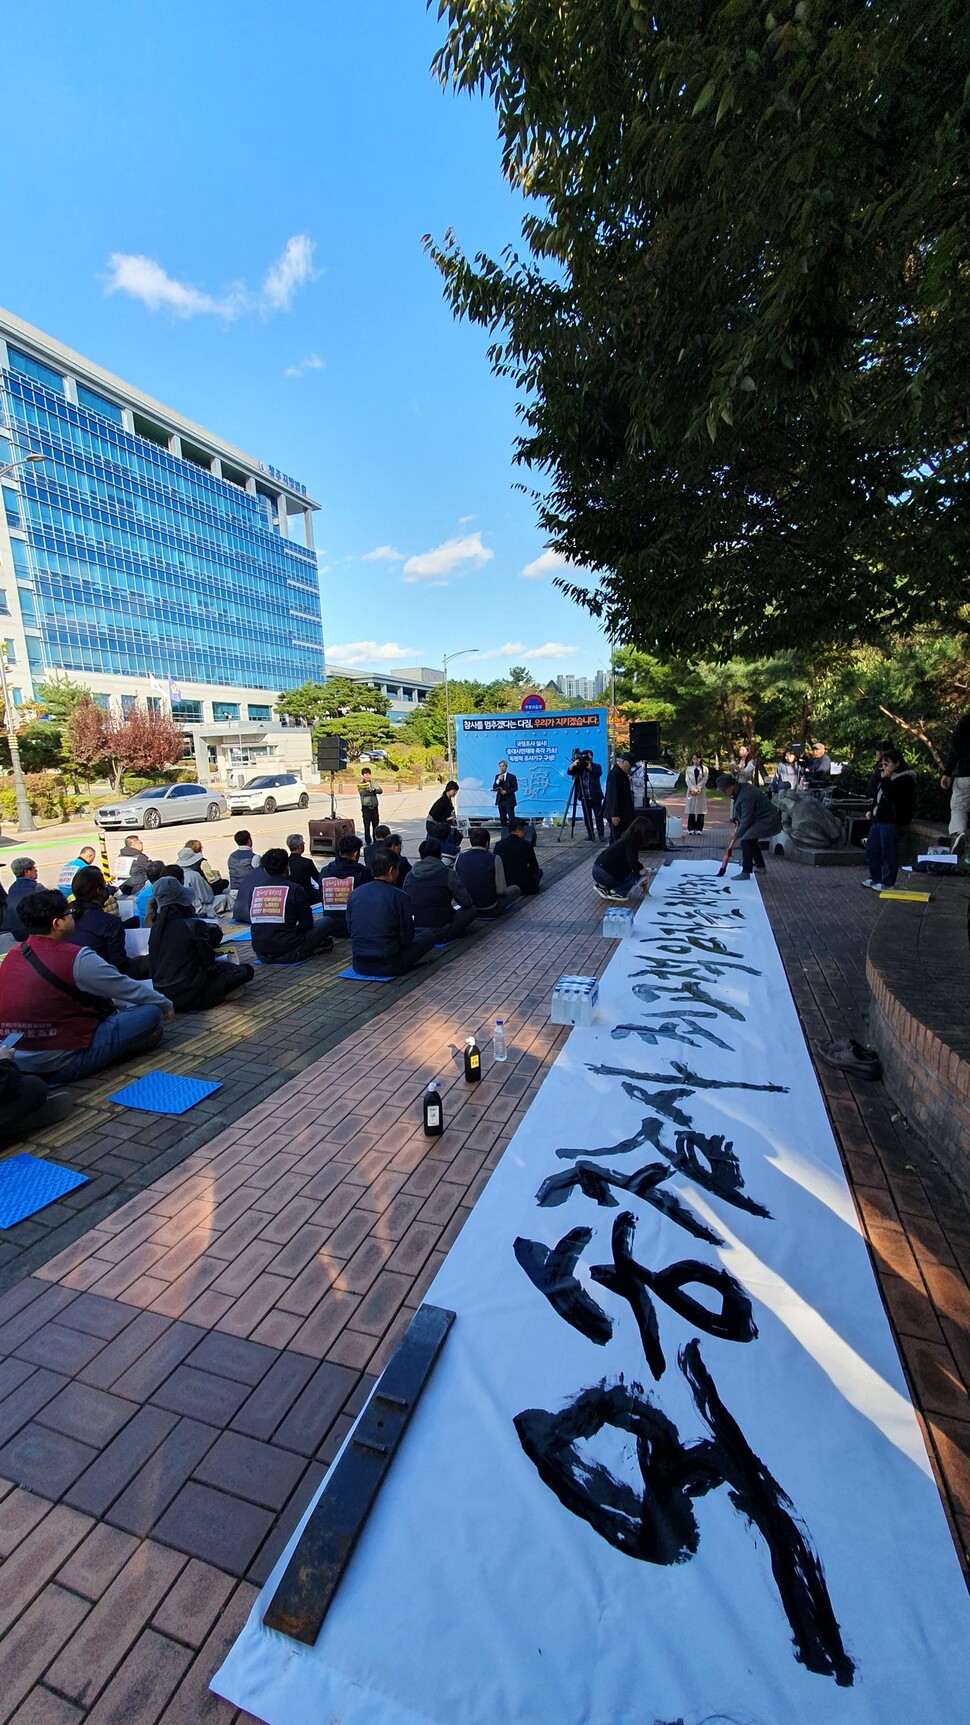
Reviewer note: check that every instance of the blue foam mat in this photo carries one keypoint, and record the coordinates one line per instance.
(164, 1093)
(28, 1184)
(352, 975)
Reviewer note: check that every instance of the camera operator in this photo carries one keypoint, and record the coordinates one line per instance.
(587, 776)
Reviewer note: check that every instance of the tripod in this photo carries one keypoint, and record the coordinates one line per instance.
(575, 799)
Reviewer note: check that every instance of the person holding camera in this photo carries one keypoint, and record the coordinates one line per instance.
(587, 776)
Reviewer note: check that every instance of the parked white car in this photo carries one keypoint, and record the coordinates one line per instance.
(662, 779)
(269, 792)
(161, 805)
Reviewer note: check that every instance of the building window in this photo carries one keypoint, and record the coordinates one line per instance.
(187, 713)
(225, 712)
(28, 367)
(104, 702)
(28, 609)
(128, 704)
(11, 507)
(260, 715)
(8, 652)
(5, 607)
(21, 561)
(154, 704)
(97, 404)
(17, 697)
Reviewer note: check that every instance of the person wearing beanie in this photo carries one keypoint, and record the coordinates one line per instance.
(181, 954)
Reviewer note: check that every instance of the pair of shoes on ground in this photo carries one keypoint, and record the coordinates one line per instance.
(745, 874)
(609, 894)
(848, 1056)
(876, 885)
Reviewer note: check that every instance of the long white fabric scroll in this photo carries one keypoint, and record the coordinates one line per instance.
(667, 1468)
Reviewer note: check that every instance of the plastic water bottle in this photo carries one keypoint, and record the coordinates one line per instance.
(499, 1048)
(434, 1118)
(473, 1062)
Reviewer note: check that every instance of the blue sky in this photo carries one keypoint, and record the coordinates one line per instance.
(224, 204)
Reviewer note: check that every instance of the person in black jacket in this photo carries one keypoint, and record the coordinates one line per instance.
(481, 870)
(383, 938)
(442, 811)
(617, 870)
(505, 786)
(25, 882)
(587, 776)
(284, 928)
(348, 869)
(892, 811)
(241, 861)
(956, 780)
(519, 859)
(97, 928)
(433, 892)
(618, 801)
(181, 955)
(302, 868)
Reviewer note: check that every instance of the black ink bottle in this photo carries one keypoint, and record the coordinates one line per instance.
(434, 1119)
(473, 1062)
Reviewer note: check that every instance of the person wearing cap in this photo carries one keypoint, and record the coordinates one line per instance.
(25, 882)
(181, 955)
(618, 798)
(74, 1013)
(206, 900)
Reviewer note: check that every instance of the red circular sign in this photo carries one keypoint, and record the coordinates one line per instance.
(533, 704)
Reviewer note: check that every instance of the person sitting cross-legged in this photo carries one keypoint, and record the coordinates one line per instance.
(340, 878)
(240, 864)
(95, 927)
(207, 899)
(434, 892)
(481, 871)
(383, 938)
(755, 816)
(518, 858)
(75, 1014)
(377, 843)
(284, 928)
(617, 870)
(181, 954)
(302, 868)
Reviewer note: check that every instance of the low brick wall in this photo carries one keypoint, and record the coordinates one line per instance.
(918, 971)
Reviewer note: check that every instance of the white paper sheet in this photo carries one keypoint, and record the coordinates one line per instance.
(475, 1595)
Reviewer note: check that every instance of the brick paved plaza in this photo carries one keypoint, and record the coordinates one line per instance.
(185, 1340)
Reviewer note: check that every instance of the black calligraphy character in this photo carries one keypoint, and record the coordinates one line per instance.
(719, 1172)
(551, 1271)
(658, 1525)
(596, 1182)
(668, 1029)
(733, 1323)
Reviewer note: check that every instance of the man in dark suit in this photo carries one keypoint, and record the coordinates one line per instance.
(505, 786)
(618, 802)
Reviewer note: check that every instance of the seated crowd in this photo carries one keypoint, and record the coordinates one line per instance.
(80, 990)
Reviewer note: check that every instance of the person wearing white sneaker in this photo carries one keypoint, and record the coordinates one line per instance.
(956, 780)
(892, 811)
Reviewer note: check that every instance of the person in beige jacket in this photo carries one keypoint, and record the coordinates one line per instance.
(695, 806)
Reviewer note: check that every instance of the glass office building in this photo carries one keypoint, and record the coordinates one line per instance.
(143, 556)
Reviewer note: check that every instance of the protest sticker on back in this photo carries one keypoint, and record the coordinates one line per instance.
(335, 892)
(268, 904)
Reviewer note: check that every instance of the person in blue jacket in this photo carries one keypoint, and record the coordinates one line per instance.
(383, 938)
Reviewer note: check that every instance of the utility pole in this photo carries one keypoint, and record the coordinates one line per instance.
(446, 661)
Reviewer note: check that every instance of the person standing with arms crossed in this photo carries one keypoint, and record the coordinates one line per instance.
(370, 806)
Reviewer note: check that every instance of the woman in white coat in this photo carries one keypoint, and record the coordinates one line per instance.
(695, 806)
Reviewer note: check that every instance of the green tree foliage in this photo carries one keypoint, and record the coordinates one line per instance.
(39, 742)
(357, 712)
(741, 320)
(58, 696)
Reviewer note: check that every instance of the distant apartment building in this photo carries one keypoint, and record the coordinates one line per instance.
(583, 688)
(149, 559)
(404, 689)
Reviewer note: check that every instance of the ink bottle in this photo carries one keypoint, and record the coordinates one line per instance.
(473, 1062)
(434, 1119)
(499, 1046)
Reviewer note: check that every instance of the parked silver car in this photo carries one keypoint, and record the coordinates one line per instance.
(161, 805)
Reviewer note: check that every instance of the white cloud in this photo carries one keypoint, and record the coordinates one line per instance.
(465, 520)
(548, 564)
(518, 650)
(355, 653)
(292, 268)
(145, 279)
(383, 554)
(438, 564)
(309, 362)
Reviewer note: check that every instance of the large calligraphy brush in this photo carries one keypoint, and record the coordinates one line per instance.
(727, 858)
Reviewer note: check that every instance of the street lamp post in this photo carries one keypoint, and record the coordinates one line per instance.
(446, 661)
(25, 820)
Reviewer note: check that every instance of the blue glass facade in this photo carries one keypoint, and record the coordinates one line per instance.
(142, 563)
